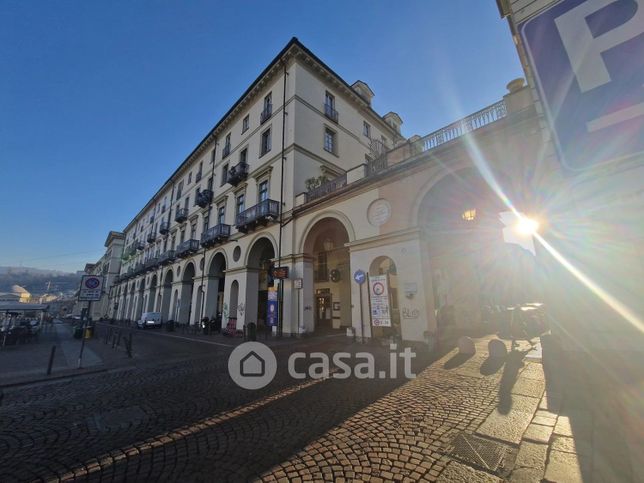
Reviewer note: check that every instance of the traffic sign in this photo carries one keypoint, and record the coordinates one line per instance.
(91, 288)
(359, 276)
(588, 62)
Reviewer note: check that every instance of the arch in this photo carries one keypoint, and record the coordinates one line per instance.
(258, 249)
(215, 287)
(254, 242)
(168, 277)
(341, 217)
(234, 300)
(152, 299)
(189, 272)
(187, 286)
(217, 263)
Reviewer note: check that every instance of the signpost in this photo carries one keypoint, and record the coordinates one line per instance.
(280, 273)
(588, 62)
(91, 289)
(360, 277)
(379, 297)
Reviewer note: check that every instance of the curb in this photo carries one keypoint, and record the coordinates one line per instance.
(52, 378)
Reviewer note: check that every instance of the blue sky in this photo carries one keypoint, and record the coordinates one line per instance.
(100, 101)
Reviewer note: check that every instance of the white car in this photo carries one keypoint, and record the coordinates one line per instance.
(149, 319)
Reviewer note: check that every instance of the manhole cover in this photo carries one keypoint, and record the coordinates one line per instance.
(477, 451)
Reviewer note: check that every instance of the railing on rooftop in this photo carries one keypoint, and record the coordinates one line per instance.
(326, 188)
(468, 124)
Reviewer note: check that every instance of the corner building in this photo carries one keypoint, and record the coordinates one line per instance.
(302, 173)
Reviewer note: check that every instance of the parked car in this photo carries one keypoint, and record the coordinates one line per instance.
(149, 319)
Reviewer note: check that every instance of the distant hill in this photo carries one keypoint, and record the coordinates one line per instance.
(38, 281)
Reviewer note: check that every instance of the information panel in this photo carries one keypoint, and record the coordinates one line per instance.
(379, 301)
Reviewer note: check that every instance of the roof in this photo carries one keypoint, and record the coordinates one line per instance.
(114, 235)
(19, 289)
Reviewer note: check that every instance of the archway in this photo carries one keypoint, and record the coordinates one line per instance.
(165, 294)
(259, 280)
(471, 265)
(331, 284)
(152, 298)
(140, 300)
(386, 268)
(187, 281)
(130, 304)
(214, 304)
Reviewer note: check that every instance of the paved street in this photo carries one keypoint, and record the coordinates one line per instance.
(186, 420)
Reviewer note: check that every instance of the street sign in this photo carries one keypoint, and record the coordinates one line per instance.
(91, 288)
(379, 301)
(359, 276)
(280, 272)
(298, 283)
(588, 61)
(272, 313)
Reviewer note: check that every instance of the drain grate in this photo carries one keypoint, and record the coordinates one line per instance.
(477, 451)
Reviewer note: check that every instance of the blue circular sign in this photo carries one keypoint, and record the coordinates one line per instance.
(92, 283)
(359, 276)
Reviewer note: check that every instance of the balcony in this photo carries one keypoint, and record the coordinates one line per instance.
(164, 227)
(151, 237)
(151, 264)
(139, 246)
(204, 198)
(328, 187)
(226, 151)
(215, 234)
(167, 258)
(187, 248)
(138, 269)
(238, 173)
(181, 216)
(260, 214)
(330, 112)
(266, 113)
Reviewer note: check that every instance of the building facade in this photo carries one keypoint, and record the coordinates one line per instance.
(302, 173)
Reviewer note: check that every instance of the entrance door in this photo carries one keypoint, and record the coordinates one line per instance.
(323, 312)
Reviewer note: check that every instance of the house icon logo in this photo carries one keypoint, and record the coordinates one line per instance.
(252, 365)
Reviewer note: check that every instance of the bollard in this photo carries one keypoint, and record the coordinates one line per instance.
(128, 346)
(51, 359)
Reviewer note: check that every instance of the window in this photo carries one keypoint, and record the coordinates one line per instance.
(227, 143)
(221, 214)
(179, 189)
(322, 269)
(190, 177)
(266, 142)
(241, 203)
(243, 155)
(245, 123)
(197, 192)
(206, 222)
(193, 230)
(263, 191)
(329, 100)
(268, 102)
(366, 129)
(224, 174)
(210, 180)
(186, 203)
(329, 140)
(174, 242)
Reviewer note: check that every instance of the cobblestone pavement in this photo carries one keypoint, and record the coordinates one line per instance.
(187, 421)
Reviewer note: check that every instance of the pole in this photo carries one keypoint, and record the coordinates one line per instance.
(80, 355)
(280, 293)
(51, 359)
(361, 316)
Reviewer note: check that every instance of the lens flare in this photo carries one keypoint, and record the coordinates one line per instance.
(526, 226)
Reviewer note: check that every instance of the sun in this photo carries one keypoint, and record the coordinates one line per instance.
(526, 226)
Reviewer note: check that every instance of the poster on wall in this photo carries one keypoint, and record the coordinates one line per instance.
(271, 309)
(379, 301)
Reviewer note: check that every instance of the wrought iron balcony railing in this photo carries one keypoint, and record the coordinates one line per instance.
(330, 112)
(164, 227)
(260, 214)
(167, 257)
(266, 113)
(187, 248)
(215, 234)
(326, 188)
(139, 246)
(181, 216)
(238, 173)
(204, 198)
(151, 237)
(151, 263)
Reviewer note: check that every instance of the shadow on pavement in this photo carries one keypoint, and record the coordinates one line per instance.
(457, 360)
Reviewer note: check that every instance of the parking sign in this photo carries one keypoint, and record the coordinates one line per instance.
(588, 60)
(91, 288)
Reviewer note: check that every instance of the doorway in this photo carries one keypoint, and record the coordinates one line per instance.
(323, 310)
